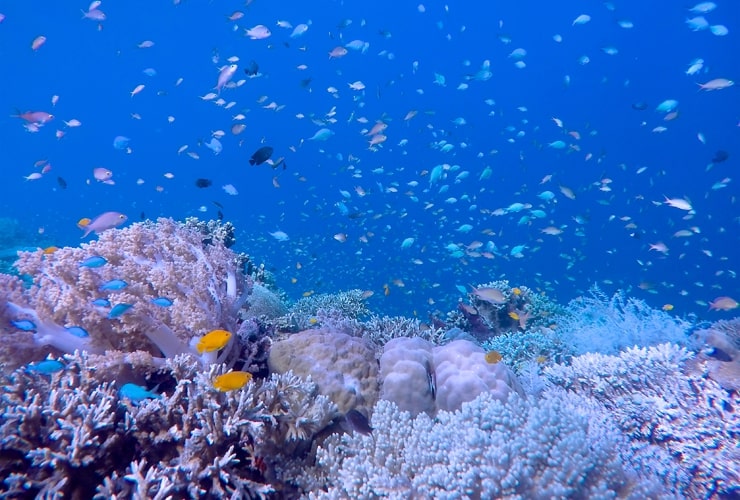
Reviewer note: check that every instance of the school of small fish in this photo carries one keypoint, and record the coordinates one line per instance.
(356, 152)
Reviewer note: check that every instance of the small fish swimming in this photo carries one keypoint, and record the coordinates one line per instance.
(25, 325)
(358, 422)
(136, 393)
(213, 341)
(261, 155)
(162, 301)
(493, 357)
(118, 310)
(103, 222)
(114, 284)
(232, 381)
(94, 261)
(490, 294)
(46, 367)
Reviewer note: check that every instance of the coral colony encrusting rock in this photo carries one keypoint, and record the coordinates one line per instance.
(140, 412)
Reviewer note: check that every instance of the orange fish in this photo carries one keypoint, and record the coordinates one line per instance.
(493, 357)
(232, 381)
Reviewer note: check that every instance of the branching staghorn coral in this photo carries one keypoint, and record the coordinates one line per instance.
(71, 434)
(560, 446)
(178, 288)
(654, 401)
(345, 307)
(380, 330)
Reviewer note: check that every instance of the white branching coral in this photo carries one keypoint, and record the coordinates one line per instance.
(654, 401)
(73, 435)
(560, 446)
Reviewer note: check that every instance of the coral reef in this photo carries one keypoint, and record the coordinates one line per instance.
(517, 349)
(381, 329)
(72, 435)
(653, 401)
(264, 302)
(520, 308)
(343, 367)
(151, 286)
(321, 309)
(560, 446)
(608, 326)
(719, 355)
(420, 377)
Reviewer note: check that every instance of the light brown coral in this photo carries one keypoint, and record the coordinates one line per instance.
(343, 367)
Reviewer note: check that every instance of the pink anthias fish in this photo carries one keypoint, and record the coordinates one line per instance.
(259, 32)
(716, 84)
(106, 220)
(103, 175)
(227, 72)
(35, 117)
(723, 304)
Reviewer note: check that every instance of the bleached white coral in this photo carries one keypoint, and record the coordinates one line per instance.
(607, 326)
(561, 446)
(654, 401)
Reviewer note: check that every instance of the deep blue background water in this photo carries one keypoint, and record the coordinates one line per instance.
(93, 71)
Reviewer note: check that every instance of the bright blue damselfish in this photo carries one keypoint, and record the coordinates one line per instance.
(136, 393)
(46, 367)
(94, 261)
(119, 309)
(25, 325)
(113, 285)
(162, 301)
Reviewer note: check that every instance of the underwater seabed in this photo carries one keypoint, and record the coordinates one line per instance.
(155, 362)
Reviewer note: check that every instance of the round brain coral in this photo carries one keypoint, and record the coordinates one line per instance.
(343, 367)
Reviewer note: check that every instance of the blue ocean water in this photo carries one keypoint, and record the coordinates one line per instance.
(511, 122)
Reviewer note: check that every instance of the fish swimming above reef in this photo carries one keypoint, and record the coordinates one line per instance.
(213, 341)
(261, 155)
(106, 220)
(232, 381)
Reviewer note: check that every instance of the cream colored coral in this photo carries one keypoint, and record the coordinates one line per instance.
(343, 367)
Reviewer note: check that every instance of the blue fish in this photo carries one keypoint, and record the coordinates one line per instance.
(162, 301)
(78, 331)
(94, 261)
(101, 302)
(113, 285)
(119, 309)
(25, 325)
(46, 367)
(136, 393)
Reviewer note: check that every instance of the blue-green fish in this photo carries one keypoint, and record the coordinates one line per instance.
(46, 367)
(94, 261)
(101, 303)
(136, 393)
(25, 325)
(119, 309)
(113, 285)
(162, 301)
(77, 331)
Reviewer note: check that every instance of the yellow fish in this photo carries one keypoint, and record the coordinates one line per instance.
(232, 381)
(213, 341)
(493, 357)
(667, 307)
(516, 291)
(514, 316)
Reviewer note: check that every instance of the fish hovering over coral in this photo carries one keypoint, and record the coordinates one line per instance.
(232, 381)
(213, 341)
(106, 220)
